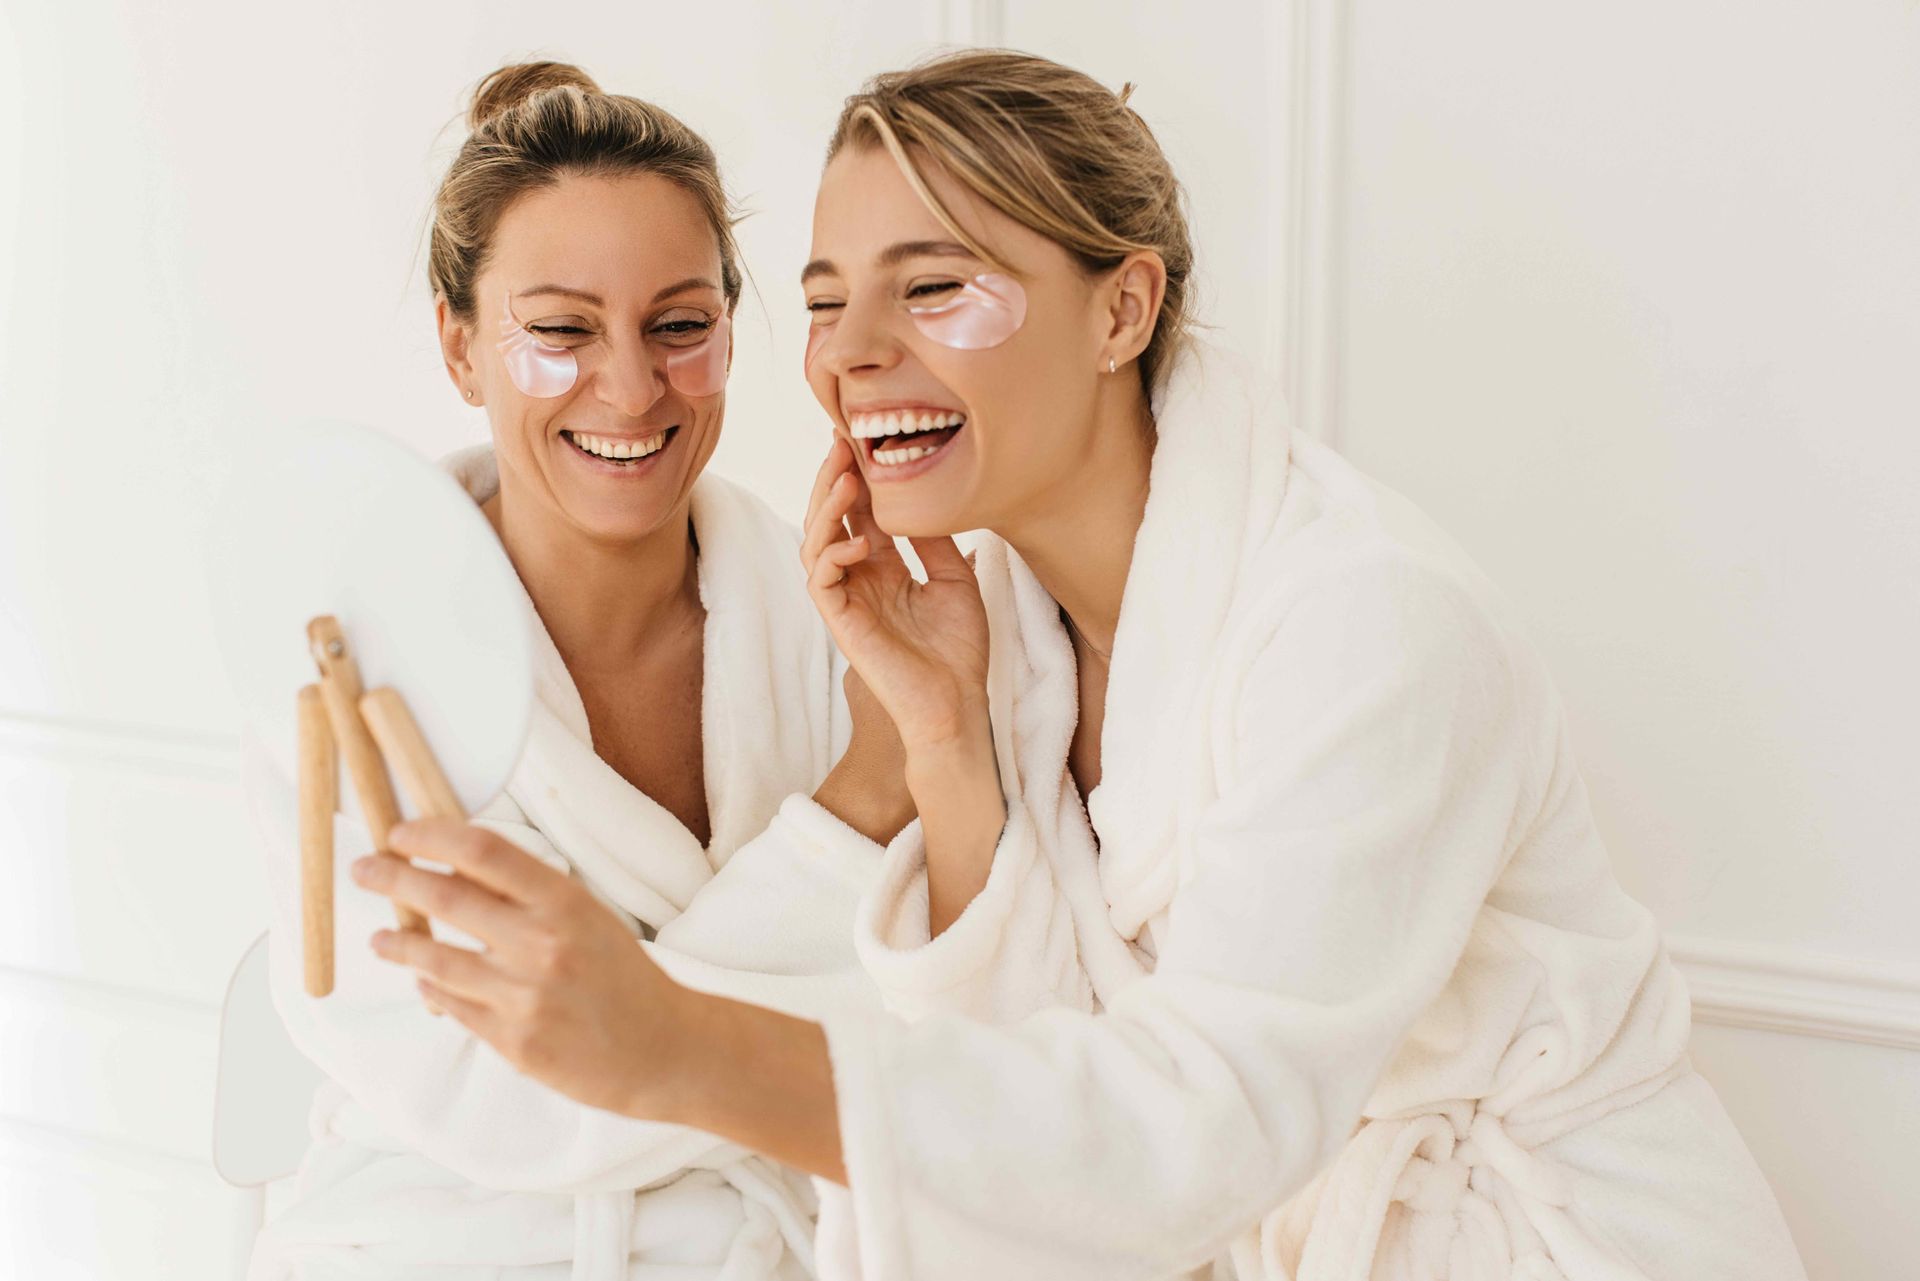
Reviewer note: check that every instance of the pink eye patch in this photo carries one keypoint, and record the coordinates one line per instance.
(542, 370)
(985, 312)
(701, 370)
(536, 368)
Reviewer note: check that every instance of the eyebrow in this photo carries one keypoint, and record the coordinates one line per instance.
(897, 252)
(568, 291)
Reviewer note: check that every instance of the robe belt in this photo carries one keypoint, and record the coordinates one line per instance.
(1475, 1203)
(602, 1235)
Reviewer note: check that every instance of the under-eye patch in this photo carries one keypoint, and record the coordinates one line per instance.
(536, 368)
(544, 370)
(985, 312)
(701, 370)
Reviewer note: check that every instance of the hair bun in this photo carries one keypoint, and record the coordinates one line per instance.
(512, 85)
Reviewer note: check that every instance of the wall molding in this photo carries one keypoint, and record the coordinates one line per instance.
(152, 750)
(980, 23)
(1305, 162)
(1804, 993)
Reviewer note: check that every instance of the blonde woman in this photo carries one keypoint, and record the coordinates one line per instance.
(688, 713)
(1254, 923)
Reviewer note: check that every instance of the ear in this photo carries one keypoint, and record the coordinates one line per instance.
(1135, 290)
(455, 351)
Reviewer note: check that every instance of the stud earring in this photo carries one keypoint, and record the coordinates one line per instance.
(1112, 368)
(469, 393)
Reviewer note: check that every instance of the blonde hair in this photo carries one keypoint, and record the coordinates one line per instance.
(1050, 147)
(533, 123)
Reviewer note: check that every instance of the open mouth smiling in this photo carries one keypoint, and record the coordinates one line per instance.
(904, 441)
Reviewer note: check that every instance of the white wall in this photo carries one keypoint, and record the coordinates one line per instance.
(1627, 295)
(1631, 303)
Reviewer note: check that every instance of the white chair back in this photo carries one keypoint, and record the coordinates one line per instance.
(265, 1086)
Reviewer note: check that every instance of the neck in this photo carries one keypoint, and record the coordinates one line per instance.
(1078, 537)
(602, 602)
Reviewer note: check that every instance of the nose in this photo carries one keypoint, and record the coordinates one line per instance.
(861, 341)
(628, 382)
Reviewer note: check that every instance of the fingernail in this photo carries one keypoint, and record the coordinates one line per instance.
(380, 939)
(362, 869)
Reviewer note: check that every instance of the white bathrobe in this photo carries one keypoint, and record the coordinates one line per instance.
(1337, 983)
(433, 1157)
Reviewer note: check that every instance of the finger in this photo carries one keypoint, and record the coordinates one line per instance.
(477, 1017)
(446, 897)
(830, 569)
(942, 559)
(838, 461)
(827, 525)
(861, 521)
(460, 971)
(483, 857)
(838, 456)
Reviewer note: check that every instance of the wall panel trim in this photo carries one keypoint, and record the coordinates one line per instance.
(1306, 141)
(152, 750)
(1779, 989)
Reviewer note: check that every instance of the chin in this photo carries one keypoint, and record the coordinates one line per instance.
(918, 516)
(616, 520)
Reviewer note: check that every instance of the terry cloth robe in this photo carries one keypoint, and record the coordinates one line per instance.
(432, 1156)
(1329, 980)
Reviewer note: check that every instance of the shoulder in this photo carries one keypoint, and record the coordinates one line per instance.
(1356, 589)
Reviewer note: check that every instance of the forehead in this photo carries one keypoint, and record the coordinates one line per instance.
(865, 203)
(605, 234)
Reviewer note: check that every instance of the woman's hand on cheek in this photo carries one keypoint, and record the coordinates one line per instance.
(921, 648)
(561, 989)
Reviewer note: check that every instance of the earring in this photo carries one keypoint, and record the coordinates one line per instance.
(1111, 367)
(469, 393)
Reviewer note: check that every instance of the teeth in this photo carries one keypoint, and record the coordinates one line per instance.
(606, 447)
(900, 422)
(894, 457)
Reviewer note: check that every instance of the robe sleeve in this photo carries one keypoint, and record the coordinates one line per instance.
(774, 926)
(771, 927)
(1374, 763)
(1010, 953)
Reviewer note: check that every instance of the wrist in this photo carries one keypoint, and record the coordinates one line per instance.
(672, 1079)
(963, 743)
(872, 800)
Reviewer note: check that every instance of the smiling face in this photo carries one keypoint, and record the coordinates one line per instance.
(599, 348)
(961, 416)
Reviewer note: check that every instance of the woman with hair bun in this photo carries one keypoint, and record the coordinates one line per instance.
(692, 766)
(1254, 923)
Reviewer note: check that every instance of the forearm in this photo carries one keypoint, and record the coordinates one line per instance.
(867, 799)
(763, 1080)
(955, 785)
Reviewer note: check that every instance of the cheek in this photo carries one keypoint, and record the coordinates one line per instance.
(820, 379)
(816, 339)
